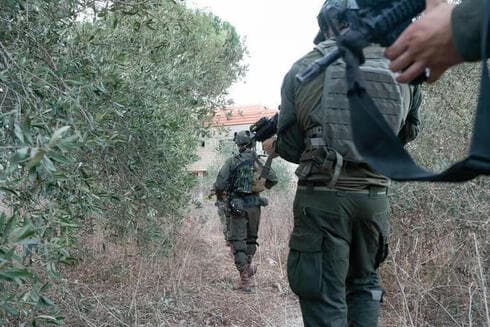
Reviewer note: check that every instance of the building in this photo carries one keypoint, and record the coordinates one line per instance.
(225, 124)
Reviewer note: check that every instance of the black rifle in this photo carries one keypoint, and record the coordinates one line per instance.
(264, 128)
(381, 25)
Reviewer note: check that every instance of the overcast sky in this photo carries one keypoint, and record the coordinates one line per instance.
(276, 32)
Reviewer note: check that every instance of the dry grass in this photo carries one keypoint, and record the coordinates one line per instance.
(194, 286)
(436, 275)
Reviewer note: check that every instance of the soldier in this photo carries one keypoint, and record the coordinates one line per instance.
(238, 179)
(340, 234)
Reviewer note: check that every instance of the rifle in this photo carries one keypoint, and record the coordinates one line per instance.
(264, 128)
(381, 25)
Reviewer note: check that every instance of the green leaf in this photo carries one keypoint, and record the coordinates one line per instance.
(68, 260)
(45, 301)
(74, 82)
(36, 156)
(16, 275)
(58, 134)
(11, 310)
(18, 133)
(2, 219)
(69, 224)
(50, 319)
(48, 165)
(20, 155)
(34, 295)
(21, 234)
(9, 190)
(56, 157)
(8, 228)
(26, 129)
(53, 272)
(9, 255)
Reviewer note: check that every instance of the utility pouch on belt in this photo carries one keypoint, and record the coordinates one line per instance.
(237, 206)
(320, 163)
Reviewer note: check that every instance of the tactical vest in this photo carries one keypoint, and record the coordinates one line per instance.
(332, 117)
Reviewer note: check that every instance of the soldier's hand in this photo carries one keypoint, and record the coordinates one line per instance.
(426, 45)
(269, 146)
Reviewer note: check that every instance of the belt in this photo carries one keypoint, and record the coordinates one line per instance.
(373, 190)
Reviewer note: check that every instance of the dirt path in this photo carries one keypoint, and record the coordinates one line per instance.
(192, 287)
(204, 280)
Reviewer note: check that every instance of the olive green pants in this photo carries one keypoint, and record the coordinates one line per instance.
(244, 229)
(338, 241)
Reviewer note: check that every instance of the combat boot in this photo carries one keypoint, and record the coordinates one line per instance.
(245, 282)
(251, 269)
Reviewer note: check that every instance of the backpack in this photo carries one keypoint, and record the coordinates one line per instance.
(247, 177)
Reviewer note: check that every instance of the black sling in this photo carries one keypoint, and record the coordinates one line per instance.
(381, 148)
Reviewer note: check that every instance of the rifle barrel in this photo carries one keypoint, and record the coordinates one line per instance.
(318, 66)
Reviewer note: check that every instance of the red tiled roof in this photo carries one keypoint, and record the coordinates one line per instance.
(242, 115)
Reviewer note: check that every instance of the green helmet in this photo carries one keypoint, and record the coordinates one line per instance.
(328, 6)
(243, 137)
(340, 5)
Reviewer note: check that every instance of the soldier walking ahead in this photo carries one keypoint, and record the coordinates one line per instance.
(239, 179)
(340, 234)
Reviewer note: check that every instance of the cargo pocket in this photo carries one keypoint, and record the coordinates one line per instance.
(384, 233)
(305, 264)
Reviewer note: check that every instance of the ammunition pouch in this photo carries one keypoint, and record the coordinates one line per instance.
(319, 163)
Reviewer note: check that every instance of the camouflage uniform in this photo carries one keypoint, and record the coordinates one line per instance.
(341, 230)
(244, 209)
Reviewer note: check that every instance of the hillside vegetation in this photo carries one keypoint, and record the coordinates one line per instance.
(101, 107)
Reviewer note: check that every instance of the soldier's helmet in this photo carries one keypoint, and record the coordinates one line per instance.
(243, 138)
(329, 5)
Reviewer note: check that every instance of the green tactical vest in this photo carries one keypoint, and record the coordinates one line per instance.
(332, 117)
